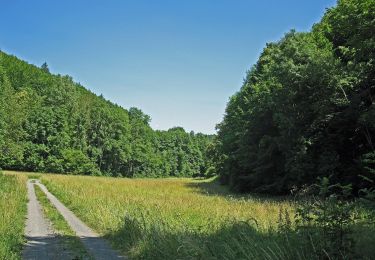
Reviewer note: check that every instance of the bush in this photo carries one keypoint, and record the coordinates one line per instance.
(327, 221)
(211, 171)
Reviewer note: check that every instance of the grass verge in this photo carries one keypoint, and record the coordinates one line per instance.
(13, 200)
(61, 227)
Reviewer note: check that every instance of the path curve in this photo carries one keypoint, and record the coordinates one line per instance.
(97, 247)
(42, 242)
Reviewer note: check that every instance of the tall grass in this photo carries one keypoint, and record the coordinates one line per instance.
(176, 218)
(191, 219)
(12, 215)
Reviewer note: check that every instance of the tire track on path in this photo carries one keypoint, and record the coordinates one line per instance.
(42, 242)
(95, 245)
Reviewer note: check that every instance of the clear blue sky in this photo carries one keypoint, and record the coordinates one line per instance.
(177, 60)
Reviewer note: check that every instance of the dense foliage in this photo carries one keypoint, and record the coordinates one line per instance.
(49, 123)
(306, 109)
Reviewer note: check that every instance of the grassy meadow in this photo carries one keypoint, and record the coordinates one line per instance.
(12, 215)
(176, 218)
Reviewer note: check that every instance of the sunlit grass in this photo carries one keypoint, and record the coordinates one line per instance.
(12, 215)
(173, 218)
(189, 219)
(179, 199)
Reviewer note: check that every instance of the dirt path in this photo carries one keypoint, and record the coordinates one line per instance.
(42, 243)
(96, 246)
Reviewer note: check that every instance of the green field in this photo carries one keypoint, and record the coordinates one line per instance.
(12, 215)
(175, 218)
(181, 218)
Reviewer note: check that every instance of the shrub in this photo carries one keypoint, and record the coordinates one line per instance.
(327, 221)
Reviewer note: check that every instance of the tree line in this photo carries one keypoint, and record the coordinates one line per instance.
(306, 108)
(49, 123)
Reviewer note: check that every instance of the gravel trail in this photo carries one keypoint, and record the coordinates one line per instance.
(95, 245)
(42, 242)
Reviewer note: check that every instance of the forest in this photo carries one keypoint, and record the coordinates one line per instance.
(49, 123)
(306, 109)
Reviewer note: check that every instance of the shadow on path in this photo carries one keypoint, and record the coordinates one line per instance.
(48, 247)
(56, 247)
